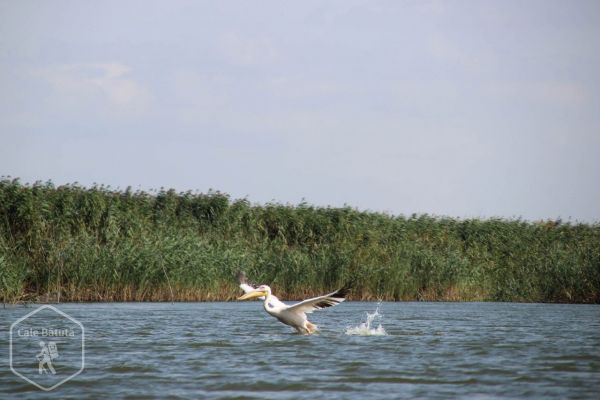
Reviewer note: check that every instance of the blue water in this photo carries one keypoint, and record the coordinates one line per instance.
(235, 350)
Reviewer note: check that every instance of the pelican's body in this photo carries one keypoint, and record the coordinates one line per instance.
(295, 315)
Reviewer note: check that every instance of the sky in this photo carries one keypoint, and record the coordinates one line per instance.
(451, 108)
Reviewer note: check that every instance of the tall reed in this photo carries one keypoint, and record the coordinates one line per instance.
(101, 244)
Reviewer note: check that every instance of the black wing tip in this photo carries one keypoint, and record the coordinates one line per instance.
(342, 293)
(323, 304)
(241, 277)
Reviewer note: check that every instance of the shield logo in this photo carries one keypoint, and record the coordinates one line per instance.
(47, 347)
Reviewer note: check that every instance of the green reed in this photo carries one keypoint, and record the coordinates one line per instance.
(71, 243)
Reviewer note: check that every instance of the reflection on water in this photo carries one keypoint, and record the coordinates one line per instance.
(229, 350)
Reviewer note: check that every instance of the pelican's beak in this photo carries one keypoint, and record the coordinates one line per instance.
(253, 295)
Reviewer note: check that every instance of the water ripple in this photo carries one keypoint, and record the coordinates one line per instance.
(234, 350)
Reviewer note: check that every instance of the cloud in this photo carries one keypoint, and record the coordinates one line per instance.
(451, 53)
(431, 7)
(246, 51)
(560, 93)
(110, 83)
(214, 98)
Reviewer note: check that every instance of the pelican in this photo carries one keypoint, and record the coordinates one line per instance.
(295, 315)
(245, 286)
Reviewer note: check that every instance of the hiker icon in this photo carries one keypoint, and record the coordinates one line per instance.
(49, 352)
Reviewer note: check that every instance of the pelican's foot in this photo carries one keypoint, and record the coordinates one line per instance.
(311, 328)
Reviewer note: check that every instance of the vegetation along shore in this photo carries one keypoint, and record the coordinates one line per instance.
(70, 243)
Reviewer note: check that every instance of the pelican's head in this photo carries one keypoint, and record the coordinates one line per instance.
(261, 291)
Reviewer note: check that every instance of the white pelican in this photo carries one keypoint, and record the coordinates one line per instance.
(295, 315)
(245, 286)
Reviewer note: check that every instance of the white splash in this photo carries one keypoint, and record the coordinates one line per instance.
(365, 328)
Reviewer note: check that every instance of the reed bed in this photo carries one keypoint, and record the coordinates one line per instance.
(71, 243)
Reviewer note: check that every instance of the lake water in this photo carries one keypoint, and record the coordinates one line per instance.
(235, 350)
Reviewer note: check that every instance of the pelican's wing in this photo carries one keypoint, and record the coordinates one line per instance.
(246, 287)
(241, 277)
(316, 303)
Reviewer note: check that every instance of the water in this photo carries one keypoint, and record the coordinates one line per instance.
(235, 350)
(368, 328)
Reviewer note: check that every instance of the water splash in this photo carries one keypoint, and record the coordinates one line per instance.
(368, 328)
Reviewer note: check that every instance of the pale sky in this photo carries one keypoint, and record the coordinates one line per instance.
(457, 108)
